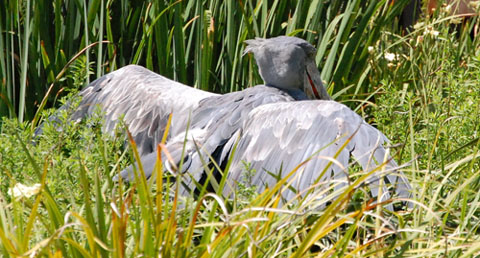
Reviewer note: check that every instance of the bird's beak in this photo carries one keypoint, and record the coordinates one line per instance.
(313, 85)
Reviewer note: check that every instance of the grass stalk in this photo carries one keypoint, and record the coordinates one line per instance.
(24, 63)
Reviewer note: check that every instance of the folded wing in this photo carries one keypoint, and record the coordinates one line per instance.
(278, 137)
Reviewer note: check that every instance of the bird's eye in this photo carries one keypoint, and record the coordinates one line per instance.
(310, 50)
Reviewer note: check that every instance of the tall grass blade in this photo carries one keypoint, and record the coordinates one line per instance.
(24, 63)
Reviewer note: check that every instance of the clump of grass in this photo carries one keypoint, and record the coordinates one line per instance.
(199, 43)
(428, 100)
(86, 214)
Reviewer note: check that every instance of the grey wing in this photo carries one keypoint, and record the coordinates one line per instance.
(144, 99)
(219, 119)
(278, 137)
(213, 123)
(221, 116)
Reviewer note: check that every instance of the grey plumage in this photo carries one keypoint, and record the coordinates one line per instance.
(281, 135)
(144, 99)
(289, 133)
(213, 122)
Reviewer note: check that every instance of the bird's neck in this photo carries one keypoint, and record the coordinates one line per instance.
(297, 94)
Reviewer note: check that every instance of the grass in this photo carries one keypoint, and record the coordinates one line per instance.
(420, 89)
(197, 43)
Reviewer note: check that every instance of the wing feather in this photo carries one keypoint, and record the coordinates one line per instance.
(287, 133)
(144, 99)
(219, 119)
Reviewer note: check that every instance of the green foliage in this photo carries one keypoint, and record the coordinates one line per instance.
(199, 43)
(78, 211)
(420, 89)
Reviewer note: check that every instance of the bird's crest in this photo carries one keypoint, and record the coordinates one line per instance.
(252, 44)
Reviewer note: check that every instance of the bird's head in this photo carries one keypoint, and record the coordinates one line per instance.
(288, 63)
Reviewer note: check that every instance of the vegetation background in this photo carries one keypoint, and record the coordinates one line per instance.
(421, 88)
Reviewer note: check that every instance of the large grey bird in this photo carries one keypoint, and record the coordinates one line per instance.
(275, 129)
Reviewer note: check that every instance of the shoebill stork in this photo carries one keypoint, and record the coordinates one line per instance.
(277, 126)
